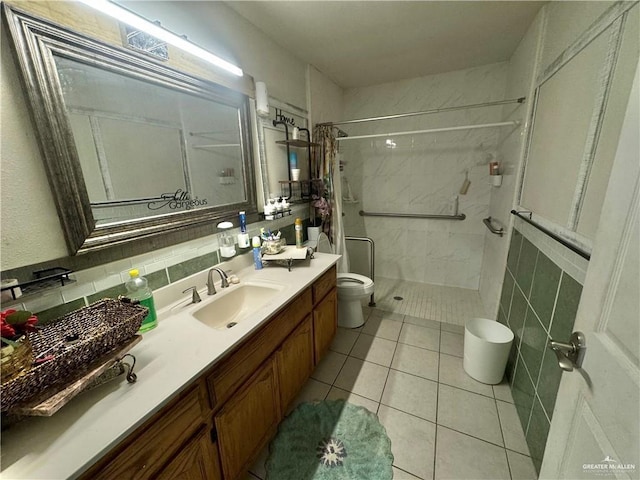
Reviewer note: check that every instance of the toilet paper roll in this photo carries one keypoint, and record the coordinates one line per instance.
(262, 99)
(6, 294)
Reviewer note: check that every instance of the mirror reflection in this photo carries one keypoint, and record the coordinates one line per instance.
(145, 149)
(133, 147)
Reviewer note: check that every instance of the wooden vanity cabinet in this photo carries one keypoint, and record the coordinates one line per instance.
(295, 361)
(218, 426)
(248, 420)
(172, 440)
(325, 313)
(198, 460)
(232, 371)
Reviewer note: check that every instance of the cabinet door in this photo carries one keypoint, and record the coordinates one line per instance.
(325, 323)
(198, 460)
(295, 362)
(248, 420)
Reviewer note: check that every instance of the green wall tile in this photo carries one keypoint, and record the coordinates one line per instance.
(526, 266)
(502, 318)
(545, 286)
(46, 316)
(157, 279)
(517, 314)
(112, 292)
(537, 279)
(191, 266)
(507, 292)
(523, 393)
(514, 250)
(534, 342)
(549, 381)
(511, 362)
(566, 308)
(537, 434)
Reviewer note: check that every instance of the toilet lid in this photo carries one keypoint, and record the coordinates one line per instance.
(324, 245)
(353, 280)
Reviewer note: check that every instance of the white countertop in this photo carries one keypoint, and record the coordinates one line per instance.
(168, 358)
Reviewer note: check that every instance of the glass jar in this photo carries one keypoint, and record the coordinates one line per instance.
(226, 239)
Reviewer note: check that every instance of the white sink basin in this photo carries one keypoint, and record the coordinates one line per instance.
(232, 305)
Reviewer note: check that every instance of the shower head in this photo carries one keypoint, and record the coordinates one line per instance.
(465, 184)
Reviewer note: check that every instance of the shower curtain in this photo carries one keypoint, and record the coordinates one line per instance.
(327, 197)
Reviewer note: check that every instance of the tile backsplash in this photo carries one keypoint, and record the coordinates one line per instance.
(539, 301)
(160, 267)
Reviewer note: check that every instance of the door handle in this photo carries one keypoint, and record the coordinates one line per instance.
(570, 355)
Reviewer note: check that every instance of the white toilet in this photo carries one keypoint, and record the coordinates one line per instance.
(352, 289)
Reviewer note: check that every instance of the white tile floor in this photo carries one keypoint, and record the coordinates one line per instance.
(424, 301)
(407, 368)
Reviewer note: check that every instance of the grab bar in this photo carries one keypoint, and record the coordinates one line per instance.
(372, 267)
(460, 216)
(558, 239)
(496, 231)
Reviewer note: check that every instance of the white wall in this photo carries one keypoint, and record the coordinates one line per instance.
(31, 232)
(30, 228)
(423, 174)
(555, 28)
(521, 74)
(326, 99)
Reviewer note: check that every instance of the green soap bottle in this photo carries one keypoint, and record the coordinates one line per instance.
(138, 289)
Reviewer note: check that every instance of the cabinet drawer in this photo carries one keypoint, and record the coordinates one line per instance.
(324, 284)
(156, 441)
(238, 367)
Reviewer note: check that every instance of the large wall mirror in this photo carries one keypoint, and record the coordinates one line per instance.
(132, 147)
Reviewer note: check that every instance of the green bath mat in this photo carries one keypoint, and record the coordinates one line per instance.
(330, 440)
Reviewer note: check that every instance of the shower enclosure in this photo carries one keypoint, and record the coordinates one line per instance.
(420, 181)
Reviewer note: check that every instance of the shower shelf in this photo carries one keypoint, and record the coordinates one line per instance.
(296, 143)
(299, 190)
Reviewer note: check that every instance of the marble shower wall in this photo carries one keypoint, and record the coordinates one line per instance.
(423, 173)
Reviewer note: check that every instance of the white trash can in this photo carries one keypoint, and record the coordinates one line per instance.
(486, 349)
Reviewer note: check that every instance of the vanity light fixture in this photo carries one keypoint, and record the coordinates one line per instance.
(134, 20)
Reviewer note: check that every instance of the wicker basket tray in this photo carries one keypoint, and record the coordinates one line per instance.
(20, 359)
(75, 340)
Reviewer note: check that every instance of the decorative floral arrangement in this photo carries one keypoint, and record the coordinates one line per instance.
(16, 354)
(320, 201)
(15, 323)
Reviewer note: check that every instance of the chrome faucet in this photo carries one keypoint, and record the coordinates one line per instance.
(211, 289)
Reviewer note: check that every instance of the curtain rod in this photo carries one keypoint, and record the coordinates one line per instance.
(427, 112)
(514, 123)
